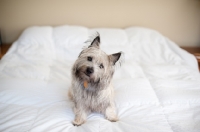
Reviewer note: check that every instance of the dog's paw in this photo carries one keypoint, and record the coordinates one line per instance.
(75, 123)
(115, 119)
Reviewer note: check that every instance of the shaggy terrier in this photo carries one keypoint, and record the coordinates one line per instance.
(91, 89)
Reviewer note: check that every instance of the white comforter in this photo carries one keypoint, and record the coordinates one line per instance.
(157, 89)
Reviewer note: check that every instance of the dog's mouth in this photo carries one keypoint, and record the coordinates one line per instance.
(89, 78)
(88, 81)
(83, 75)
(91, 83)
(86, 74)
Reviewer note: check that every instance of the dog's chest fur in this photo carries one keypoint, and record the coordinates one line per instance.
(95, 100)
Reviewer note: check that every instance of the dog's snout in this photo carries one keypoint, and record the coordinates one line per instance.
(89, 70)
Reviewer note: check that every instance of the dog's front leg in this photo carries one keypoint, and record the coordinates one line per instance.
(110, 113)
(80, 116)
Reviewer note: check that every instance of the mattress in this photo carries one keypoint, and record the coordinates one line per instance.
(157, 89)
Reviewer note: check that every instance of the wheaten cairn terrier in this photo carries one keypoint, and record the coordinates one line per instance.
(91, 89)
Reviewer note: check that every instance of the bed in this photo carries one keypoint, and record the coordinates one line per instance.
(157, 88)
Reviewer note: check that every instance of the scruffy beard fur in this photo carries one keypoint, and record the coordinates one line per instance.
(96, 68)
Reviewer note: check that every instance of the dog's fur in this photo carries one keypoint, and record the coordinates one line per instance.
(96, 68)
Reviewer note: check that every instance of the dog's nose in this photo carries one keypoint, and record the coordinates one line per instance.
(89, 70)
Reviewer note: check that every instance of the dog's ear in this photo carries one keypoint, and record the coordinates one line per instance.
(96, 42)
(115, 57)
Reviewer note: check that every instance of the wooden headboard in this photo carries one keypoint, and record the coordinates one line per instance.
(179, 20)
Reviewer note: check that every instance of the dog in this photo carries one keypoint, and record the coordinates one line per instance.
(91, 88)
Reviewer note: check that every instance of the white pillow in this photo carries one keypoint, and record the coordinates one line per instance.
(36, 35)
(70, 36)
(111, 36)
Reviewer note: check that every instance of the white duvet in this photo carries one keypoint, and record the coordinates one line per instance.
(157, 89)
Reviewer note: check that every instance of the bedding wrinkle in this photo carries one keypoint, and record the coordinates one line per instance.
(159, 83)
(161, 104)
(34, 121)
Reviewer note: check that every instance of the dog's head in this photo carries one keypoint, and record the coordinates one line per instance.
(95, 66)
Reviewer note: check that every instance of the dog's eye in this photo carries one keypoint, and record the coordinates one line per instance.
(101, 66)
(89, 58)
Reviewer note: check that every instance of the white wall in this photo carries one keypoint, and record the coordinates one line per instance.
(179, 20)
